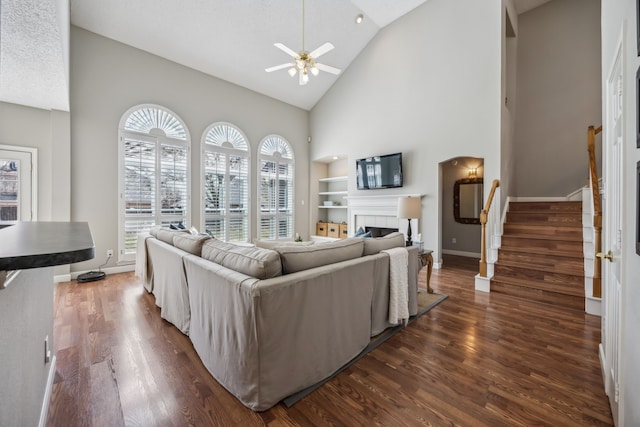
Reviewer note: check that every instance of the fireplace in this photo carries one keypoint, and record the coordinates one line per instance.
(378, 211)
(379, 231)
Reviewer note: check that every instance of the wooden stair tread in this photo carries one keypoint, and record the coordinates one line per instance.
(543, 251)
(516, 243)
(539, 285)
(541, 257)
(569, 269)
(567, 301)
(561, 206)
(546, 237)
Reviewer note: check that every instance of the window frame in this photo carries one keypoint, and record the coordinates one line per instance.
(227, 151)
(278, 158)
(159, 138)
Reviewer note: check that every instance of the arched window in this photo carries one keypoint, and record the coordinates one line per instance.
(154, 173)
(275, 188)
(225, 166)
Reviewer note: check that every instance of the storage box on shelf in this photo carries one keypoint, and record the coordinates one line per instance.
(332, 208)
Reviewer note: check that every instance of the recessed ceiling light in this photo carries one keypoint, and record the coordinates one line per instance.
(335, 157)
(359, 19)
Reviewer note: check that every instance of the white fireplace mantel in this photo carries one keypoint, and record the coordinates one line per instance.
(378, 211)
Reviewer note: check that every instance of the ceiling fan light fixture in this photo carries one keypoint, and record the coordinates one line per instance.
(304, 62)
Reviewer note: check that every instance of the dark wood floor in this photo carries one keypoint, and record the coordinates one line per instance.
(475, 360)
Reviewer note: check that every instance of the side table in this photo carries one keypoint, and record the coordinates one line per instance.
(426, 259)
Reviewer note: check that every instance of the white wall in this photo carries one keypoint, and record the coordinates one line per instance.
(427, 85)
(619, 17)
(558, 89)
(108, 78)
(49, 132)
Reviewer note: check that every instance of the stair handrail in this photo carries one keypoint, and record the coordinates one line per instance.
(597, 208)
(484, 215)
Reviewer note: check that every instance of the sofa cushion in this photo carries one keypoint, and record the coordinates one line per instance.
(188, 242)
(299, 258)
(376, 244)
(272, 244)
(252, 261)
(166, 235)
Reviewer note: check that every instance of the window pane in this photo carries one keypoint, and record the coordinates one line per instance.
(214, 183)
(238, 230)
(215, 226)
(131, 230)
(173, 180)
(9, 190)
(140, 166)
(267, 228)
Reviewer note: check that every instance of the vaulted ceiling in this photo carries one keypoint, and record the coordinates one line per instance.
(229, 39)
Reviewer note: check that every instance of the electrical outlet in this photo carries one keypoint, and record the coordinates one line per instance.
(453, 240)
(109, 252)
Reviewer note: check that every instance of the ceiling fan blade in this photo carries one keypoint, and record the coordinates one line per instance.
(279, 67)
(321, 50)
(286, 49)
(328, 69)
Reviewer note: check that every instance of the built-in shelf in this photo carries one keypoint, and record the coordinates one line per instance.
(334, 179)
(333, 193)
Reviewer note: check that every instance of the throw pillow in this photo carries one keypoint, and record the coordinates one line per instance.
(255, 262)
(360, 232)
(191, 243)
(299, 258)
(375, 245)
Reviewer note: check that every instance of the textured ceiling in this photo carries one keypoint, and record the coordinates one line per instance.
(32, 53)
(233, 39)
(229, 39)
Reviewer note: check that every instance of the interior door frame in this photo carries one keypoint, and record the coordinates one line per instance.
(611, 326)
(34, 174)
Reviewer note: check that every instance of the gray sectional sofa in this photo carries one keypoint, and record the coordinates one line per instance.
(267, 323)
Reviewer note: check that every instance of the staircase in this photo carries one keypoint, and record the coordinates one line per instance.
(541, 257)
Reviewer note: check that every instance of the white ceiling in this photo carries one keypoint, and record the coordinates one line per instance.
(230, 39)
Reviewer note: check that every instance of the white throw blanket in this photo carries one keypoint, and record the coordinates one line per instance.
(141, 261)
(398, 285)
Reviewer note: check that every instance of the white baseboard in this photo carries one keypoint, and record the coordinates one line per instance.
(44, 412)
(483, 284)
(593, 306)
(110, 270)
(62, 278)
(461, 253)
(539, 199)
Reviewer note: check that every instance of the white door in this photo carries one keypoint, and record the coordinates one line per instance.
(612, 147)
(16, 170)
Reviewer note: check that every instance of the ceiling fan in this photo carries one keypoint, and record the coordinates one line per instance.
(304, 62)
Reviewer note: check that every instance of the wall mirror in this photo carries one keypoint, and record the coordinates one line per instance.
(467, 200)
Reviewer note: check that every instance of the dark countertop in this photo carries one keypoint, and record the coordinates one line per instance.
(44, 244)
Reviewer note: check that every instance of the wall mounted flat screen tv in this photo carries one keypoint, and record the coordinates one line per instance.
(379, 172)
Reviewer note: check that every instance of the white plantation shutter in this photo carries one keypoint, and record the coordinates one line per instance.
(276, 190)
(154, 174)
(226, 183)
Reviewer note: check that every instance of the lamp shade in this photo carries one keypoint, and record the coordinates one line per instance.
(409, 207)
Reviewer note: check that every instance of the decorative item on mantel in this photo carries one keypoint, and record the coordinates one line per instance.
(408, 208)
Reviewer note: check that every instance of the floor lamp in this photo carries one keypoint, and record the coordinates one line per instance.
(409, 207)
